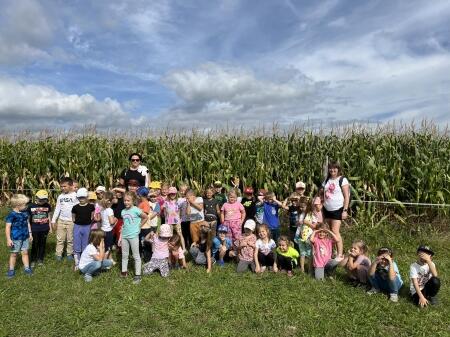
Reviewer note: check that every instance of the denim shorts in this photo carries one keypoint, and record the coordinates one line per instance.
(20, 246)
(304, 248)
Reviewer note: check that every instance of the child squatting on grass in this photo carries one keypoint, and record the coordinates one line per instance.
(160, 255)
(18, 234)
(265, 247)
(93, 259)
(287, 256)
(322, 240)
(246, 248)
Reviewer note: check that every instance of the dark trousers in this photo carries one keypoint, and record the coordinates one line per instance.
(284, 262)
(145, 248)
(38, 246)
(186, 231)
(430, 289)
(266, 260)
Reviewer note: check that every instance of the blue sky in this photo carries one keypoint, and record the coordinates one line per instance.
(202, 64)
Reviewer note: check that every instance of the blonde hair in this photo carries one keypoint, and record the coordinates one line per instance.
(107, 197)
(361, 245)
(19, 200)
(96, 236)
(264, 227)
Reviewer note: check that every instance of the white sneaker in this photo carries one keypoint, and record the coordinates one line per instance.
(263, 269)
(373, 291)
(393, 298)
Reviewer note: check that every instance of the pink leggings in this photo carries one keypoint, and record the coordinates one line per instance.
(234, 229)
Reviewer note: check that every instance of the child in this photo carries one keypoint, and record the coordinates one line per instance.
(219, 194)
(143, 203)
(259, 205)
(287, 256)
(160, 256)
(93, 259)
(384, 275)
(117, 207)
(195, 214)
(18, 234)
(424, 281)
(172, 213)
(99, 193)
(176, 253)
(357, 263)
(249, 203)
(271, 207)
(182, 207)
(308, 222)
(246, 248)
(292, 205)
(154, 219)
(133, 219)
(39, 213)
(108, 222)
(322, 240)
(62, 219)
(201, 250)
(232, 216)
(317, 209)
(264, 250)
(211, 209)
(222, 246)
(162, 197)
(82, 216)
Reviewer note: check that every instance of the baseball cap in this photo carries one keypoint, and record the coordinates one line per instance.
(217, 183)
(300, 184)
(248, 190)
(142, 191)
(42, 194)
(100, 189)
(250, 224)
(425, 249)
(172, 190)
(82, 193)
(222, 229)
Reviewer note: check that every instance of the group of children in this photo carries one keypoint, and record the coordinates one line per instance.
(160, 225)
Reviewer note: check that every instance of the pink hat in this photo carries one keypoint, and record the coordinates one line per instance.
(172, 190)
(165, 231)
(300, 184)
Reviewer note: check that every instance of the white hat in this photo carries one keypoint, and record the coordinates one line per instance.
(100, 189)
(250, 224)
(82, 193)
(300, 184)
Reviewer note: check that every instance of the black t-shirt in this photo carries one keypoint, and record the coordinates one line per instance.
(83, 214)
(127, 175)
(210, 209)
(250, 207)
(39, 217)
(117, 208)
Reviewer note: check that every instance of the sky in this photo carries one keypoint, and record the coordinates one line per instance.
(186, 64)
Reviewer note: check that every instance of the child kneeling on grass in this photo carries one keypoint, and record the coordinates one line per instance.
(246, 248)
(357, 263)
(287, 256)
(322, 240)
(424, 281)
(384, 275)
(160, 255)
(201, 250)
(93, 258)
(176, 252)
(222, 246)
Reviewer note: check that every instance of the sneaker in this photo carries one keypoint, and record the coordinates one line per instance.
(373, 291)
(393, 298)
(136, 279)
(434, 300)
(221, 263)
(69, 257)
(11, 273)
(124, 274)
(58, 258)
(263, 269)
(28, 271)
(289, 273)
(87, 278)
(40, 262)
(339, 258)
(76, 268)
(33, 264)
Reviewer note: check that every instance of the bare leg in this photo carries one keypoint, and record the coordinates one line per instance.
(302, 263)
(25, 259)
(335, 227)
(12, 261)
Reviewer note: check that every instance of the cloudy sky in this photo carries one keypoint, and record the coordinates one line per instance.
(208, 63)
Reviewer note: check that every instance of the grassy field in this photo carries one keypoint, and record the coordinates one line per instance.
(55, 301)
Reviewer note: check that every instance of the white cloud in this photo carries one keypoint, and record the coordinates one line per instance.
(37, 107)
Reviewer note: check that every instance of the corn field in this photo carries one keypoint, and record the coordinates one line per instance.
(383, 164)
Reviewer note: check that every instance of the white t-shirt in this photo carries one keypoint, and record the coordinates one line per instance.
(421, 273)
(334, 197)
(87, 256)
(267, 247)
(197, 215)
(106, 213)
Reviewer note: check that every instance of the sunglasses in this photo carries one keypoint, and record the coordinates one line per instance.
(136, 160)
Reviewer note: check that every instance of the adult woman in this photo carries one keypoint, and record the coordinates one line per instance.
(136, 174)
(336, 193)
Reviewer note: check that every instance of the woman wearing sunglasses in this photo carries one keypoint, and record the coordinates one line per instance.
(137, 174)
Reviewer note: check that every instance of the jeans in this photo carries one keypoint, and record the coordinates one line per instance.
(386, 286)
(95, 266)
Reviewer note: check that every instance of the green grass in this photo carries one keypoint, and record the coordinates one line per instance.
(55, 301)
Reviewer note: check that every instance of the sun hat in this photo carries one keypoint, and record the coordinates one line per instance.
(300, 184)
(222, 229)
(165, 231)
(100, 189)
(155, 184)
(142, 191)
(42, 194)
(250, 224)
(92, 195)
(172, 190)
(248, 190)
(82, 193)
(425, 249)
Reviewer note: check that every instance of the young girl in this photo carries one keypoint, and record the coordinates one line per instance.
(357, 263)
(232, 216)
(384, 275)
(144, 249)
(93, 259)
(172, 214)
(108, 222)
(246, 248)
(303, 234)
(211, 209)
(264, 256)
(133, 219)
(222, 249)
(322, 240)
(160, 256)
(176, 252)
(287, 256)
(201, 250)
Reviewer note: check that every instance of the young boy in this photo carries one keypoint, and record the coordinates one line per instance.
(271, 207)
(249, 203)
(219, 194)
(39, 213)
(424, 281)
(62, 219)
(222, 246)
(18, 234)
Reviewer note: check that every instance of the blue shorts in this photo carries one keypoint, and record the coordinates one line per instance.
(304, 248)
(20, 245)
